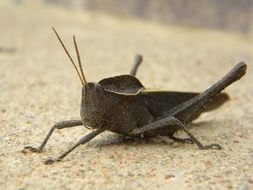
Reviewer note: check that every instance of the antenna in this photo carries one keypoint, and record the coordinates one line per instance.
(79, 60)
(82, 80)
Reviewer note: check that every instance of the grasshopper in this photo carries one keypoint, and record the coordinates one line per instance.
(122, 105)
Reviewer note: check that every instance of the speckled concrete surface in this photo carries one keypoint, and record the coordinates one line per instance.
(38, 87)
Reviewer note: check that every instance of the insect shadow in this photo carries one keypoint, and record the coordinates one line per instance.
(122, 105)
(111, 139)
(7, 50)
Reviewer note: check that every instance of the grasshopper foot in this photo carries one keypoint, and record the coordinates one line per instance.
(211, 146)
(32, 149)
(51, 161)
(182, 140)
(188, 141)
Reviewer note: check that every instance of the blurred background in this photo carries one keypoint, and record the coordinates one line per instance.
(167, 32)
(231, 15)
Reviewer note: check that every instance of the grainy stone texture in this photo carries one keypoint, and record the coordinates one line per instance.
(38, 87)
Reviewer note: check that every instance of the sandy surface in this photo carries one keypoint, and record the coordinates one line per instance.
(38, 87)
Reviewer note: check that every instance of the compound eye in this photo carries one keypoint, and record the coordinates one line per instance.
(91, 85)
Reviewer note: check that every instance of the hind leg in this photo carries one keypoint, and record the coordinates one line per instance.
(172, 121)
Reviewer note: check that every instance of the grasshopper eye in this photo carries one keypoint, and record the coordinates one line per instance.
(91, 85)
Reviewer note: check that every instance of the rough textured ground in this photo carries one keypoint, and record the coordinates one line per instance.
(38, 87)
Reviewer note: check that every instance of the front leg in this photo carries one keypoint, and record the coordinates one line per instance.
(59, 125)
(170, 121)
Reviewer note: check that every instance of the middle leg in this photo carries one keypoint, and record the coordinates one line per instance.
(136, 64)
(83, 140)
(181, 140)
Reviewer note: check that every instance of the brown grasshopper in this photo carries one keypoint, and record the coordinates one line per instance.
(122, 105)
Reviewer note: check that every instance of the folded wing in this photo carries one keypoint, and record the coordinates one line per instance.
(160, 103)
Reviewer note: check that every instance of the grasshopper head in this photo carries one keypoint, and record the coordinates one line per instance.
(92, 108)
(98, 98)
(93, 105)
